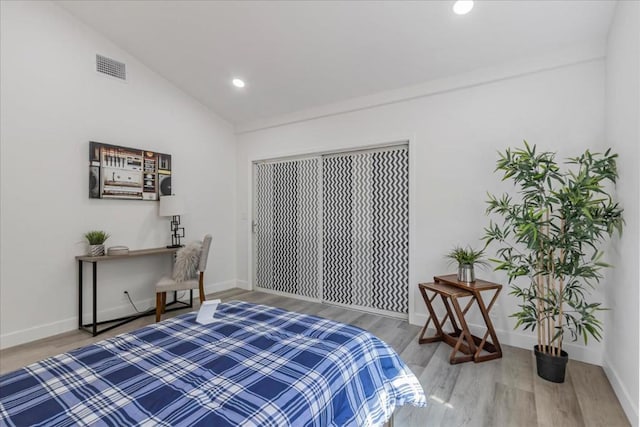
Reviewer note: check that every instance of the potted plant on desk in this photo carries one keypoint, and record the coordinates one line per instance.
(96, 239)
(551, 234)
(466, 259)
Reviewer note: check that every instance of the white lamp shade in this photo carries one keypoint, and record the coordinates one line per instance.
(171, 205)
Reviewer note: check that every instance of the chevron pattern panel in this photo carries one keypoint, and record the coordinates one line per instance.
(307, 223)
(263, 217)
(337, 229)
(366, 229)
(390, 230)
(362, 232)
(286, 215)
(285, 243)
(364, 222)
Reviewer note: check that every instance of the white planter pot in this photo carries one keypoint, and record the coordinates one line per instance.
(96, 250)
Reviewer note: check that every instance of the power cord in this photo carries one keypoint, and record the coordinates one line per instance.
(179, 297)
(133, 305)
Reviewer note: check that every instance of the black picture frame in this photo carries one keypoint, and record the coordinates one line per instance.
(117, 172)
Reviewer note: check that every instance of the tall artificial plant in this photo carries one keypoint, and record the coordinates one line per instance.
(551, 233)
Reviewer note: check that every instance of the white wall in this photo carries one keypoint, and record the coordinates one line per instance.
(454, 134)
(53, 103)
(623, 134)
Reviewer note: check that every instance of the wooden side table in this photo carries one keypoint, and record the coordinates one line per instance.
(461, 339)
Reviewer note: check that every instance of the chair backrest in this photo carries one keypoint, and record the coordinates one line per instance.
(206, 244)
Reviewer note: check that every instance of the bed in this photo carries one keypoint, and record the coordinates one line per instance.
(255, 365)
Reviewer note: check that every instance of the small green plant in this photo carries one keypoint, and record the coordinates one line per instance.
(466, 256)
(96, 237)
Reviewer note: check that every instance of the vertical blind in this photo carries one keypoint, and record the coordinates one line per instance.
(286, 230)
(336, 228)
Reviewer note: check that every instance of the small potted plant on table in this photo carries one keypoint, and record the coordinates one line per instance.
(466, 259)
(96, 239)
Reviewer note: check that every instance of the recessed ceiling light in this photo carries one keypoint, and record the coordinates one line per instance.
(462, 7)
(238, 82)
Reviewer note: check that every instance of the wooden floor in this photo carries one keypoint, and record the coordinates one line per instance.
(503, 392)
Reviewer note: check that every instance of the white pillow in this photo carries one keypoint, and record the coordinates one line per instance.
(187, 262)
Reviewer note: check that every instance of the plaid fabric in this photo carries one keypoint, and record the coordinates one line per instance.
(255, 366)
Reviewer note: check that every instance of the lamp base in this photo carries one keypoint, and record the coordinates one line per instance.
(175, 237)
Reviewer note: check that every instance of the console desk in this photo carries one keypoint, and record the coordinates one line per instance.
(94, 260)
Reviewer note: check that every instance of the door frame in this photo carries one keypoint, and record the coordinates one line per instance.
(342, 148)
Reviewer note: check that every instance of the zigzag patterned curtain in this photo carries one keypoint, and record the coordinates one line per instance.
(286, 231)
(361, 227)
(365, 230)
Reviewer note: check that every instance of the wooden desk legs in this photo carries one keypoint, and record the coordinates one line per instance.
(92, 327)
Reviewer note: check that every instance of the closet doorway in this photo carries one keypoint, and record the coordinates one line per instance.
(334, 228)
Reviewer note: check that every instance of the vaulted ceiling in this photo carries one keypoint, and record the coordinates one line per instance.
(299, 55)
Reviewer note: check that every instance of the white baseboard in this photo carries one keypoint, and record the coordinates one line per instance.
(629, 407)
(223, 286)
(34, 333)
(23, 336)
(526, 341)
(243, 284)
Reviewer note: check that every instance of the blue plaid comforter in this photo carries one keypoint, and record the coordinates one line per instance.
(254, 366)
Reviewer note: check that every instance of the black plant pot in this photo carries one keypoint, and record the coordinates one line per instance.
(551, 368)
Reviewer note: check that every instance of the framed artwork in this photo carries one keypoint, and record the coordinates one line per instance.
(117, 172)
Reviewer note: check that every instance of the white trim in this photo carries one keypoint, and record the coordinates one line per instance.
(368, 310)
(365, 310)
(210, 288)
(251, 181)
(23, 336)
(629, 407)
(286, 294)
(288, 156)
(345, 148)
(526, 341)
(49, 329)
(379, 149)
(566, 57)
(243, 284)
(413, 277)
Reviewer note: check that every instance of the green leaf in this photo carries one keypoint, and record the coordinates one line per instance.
(553, 227)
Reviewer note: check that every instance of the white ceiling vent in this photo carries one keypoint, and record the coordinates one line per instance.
(111, 67)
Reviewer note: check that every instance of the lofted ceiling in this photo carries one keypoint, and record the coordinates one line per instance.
(298, 55)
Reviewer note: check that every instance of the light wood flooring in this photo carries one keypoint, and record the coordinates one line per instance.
(502, 392)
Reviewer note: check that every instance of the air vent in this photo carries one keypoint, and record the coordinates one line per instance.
(111, 67)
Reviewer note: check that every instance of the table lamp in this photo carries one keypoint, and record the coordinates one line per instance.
(172, 206)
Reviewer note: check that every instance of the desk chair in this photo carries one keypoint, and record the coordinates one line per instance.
(169, 284)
